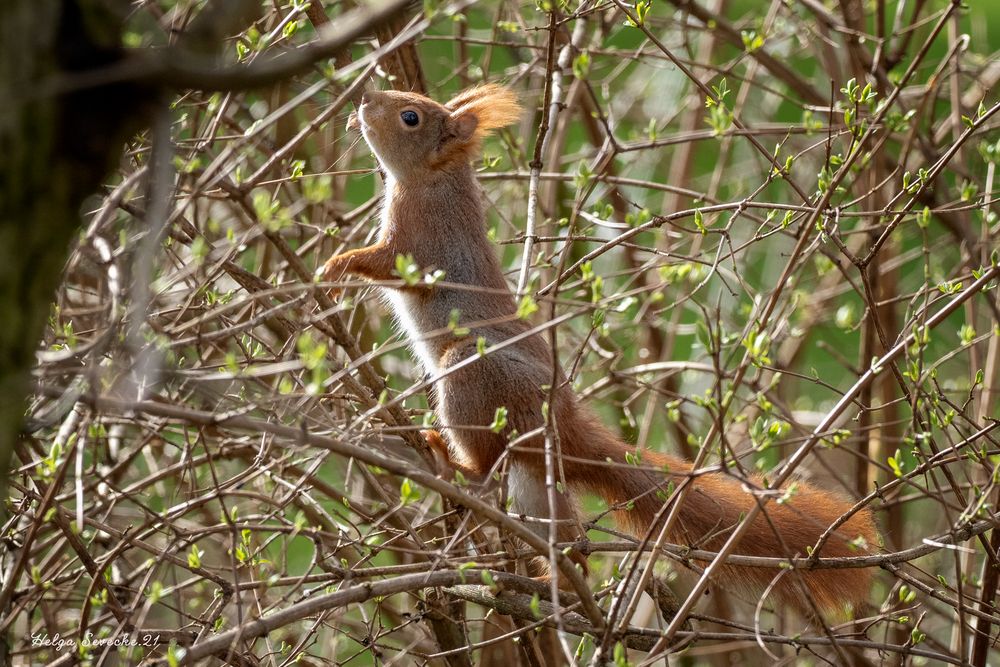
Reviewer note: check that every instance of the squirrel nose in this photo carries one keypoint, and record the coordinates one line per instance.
(365, 98)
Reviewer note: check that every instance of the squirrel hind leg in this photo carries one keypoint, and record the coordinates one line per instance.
(470, 396)
(530, 500)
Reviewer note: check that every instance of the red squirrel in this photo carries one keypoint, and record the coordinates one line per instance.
(433, 211)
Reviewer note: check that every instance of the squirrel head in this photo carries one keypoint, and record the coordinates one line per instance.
(412, 135)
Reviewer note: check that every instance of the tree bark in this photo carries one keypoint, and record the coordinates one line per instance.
(55, 147)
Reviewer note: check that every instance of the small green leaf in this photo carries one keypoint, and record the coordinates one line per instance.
(751, 40)
(527, 307)
(966, 334)
(581, 65)
(194, 557)
(407, 269)
(924, 218)
(407, 494)
(699, 221)
(499, 420)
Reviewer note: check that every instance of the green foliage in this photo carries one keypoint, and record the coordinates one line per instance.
(499, 420)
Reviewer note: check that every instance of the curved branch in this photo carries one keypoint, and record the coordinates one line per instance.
(176, 67)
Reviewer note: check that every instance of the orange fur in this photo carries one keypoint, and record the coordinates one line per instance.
(434, 212)
(715, 503)
(493, 107)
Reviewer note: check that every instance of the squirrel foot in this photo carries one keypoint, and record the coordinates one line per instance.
(564, 585)
(541, 564)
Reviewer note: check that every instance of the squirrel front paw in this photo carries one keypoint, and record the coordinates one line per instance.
(448, 468)
(332, 271)
(442, 458)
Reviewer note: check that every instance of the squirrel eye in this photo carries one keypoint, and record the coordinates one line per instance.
(410, 118)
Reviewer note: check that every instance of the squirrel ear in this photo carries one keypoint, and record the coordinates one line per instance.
(478, 110)
(463, 125)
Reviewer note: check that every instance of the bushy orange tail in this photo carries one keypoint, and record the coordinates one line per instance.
(715, 503)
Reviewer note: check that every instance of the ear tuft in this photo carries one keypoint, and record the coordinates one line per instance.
(491, 105)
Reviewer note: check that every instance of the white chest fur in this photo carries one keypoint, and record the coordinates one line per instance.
(403, 305)
(402, 310)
